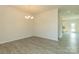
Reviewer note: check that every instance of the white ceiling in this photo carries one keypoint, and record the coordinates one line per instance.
(35, 9)
(69, 13)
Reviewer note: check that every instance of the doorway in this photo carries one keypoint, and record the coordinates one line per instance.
(69, 28)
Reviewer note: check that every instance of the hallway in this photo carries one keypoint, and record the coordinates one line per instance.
(70, 42)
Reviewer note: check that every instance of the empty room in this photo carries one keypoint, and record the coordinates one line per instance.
(39, 29)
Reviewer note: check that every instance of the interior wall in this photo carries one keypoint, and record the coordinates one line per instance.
(46, 24)
(13, 24)
(59, 25)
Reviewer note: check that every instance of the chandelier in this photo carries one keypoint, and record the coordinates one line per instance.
(29, 17)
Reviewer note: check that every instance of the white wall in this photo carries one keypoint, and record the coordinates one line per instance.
(46, 24)
(13, 25)
(59, 26)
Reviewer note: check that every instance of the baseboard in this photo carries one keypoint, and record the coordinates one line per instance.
(19, 38)
(27, 37)
(45, 38)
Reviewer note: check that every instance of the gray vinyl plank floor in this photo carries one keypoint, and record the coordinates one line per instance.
(33, 45)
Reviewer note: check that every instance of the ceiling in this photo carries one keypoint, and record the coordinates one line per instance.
(69, 13)
(35, 9)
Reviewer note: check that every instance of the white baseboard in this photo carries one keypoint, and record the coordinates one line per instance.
(54, 38)
(18, 38)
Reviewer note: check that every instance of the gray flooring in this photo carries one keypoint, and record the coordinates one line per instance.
(36, 45)
(70, 42)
